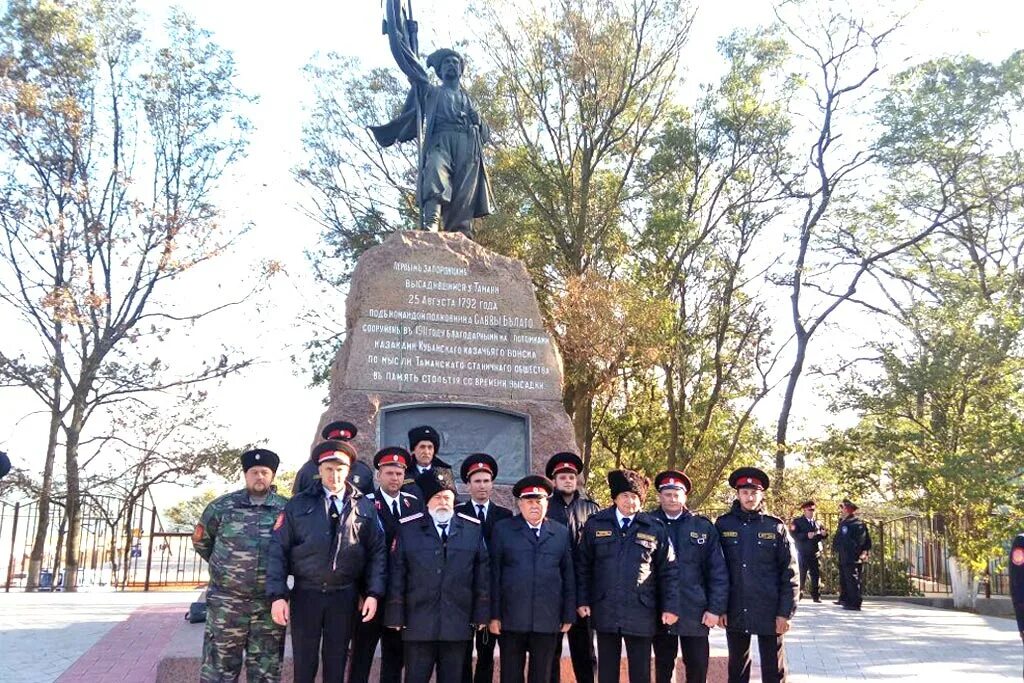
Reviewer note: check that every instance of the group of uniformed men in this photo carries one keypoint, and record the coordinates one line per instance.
(401, 564)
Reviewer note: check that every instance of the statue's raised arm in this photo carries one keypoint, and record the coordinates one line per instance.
(451, 179)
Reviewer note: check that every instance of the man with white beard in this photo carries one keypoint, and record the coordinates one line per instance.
(439, 584)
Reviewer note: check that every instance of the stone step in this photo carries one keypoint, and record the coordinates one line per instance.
(181, 661)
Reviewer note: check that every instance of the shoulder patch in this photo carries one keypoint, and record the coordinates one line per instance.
(471, 519)
(602, 533)
(730, 534)
(410, 518)
(197, 535)
(647, 537)
(279, 522)
(767, 535)
(1017, 557)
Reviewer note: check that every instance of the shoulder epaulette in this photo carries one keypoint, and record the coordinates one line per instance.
(370, 496)
(410, 495)
(408, 481)
(470, 518)
(409, 518)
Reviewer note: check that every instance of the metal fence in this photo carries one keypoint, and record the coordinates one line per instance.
(119, 549)
(131, 550)
(909, 556)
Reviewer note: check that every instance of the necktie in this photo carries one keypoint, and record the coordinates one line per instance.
(536, 532)
(625, 524)
(443, 526)
(480, 512)
(394, 507)
(335, 517)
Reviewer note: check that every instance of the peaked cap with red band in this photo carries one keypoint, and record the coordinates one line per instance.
(392, 455)
(339, 431)
(533, 486)
(563, 462)
(478, 462)
(672, 479)
(749, 478)
(333, 450)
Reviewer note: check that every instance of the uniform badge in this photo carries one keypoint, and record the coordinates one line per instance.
(647, 537)
(279, 522)
(701, 538)
(1018, 556)
(730, 534)
(197, 535)
(602, 533)
(767, 535)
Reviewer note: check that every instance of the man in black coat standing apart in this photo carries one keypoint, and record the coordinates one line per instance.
(391, 504)
(1017, 580)
(571, 506)
(626, 579)
(478, 471)
(439, 583)
(851, 545)
(330, 540)
(763, 587)
(808, 533)
(533, 584)
(703, 582)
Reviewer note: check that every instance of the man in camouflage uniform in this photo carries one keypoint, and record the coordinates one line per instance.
(233, 535)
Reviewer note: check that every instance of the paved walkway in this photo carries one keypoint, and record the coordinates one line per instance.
(43, 636)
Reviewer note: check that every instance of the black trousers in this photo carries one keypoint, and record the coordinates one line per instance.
(514, 648)
(422, 657)
(609, 657)
(364, 646)
(325, 617)
(809, 564)
(581, 650)
(696, 653)
(485, 642)
(849, 579)
(773, 657)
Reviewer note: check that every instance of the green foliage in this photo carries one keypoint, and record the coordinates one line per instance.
(185, 515)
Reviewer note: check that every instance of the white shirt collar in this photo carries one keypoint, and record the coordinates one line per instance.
(389, 499)
(619, 517)
(486, 504)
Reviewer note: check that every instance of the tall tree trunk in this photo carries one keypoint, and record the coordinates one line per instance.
(35, 561)
(74, 512)
(673, 418)
(782, 429)
(961, 579)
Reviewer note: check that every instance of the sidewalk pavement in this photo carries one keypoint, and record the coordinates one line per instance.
(43, 635)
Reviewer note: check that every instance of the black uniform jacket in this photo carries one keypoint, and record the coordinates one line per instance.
(438, 592)
(800, 527)
(573, 514)
(763, 576)
(495, 513)
(303, 547)
(851, 539)
(1017, 578)
(533, 582)
(703, 578)
(408, 505)
(628, 579)
(410, 485)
